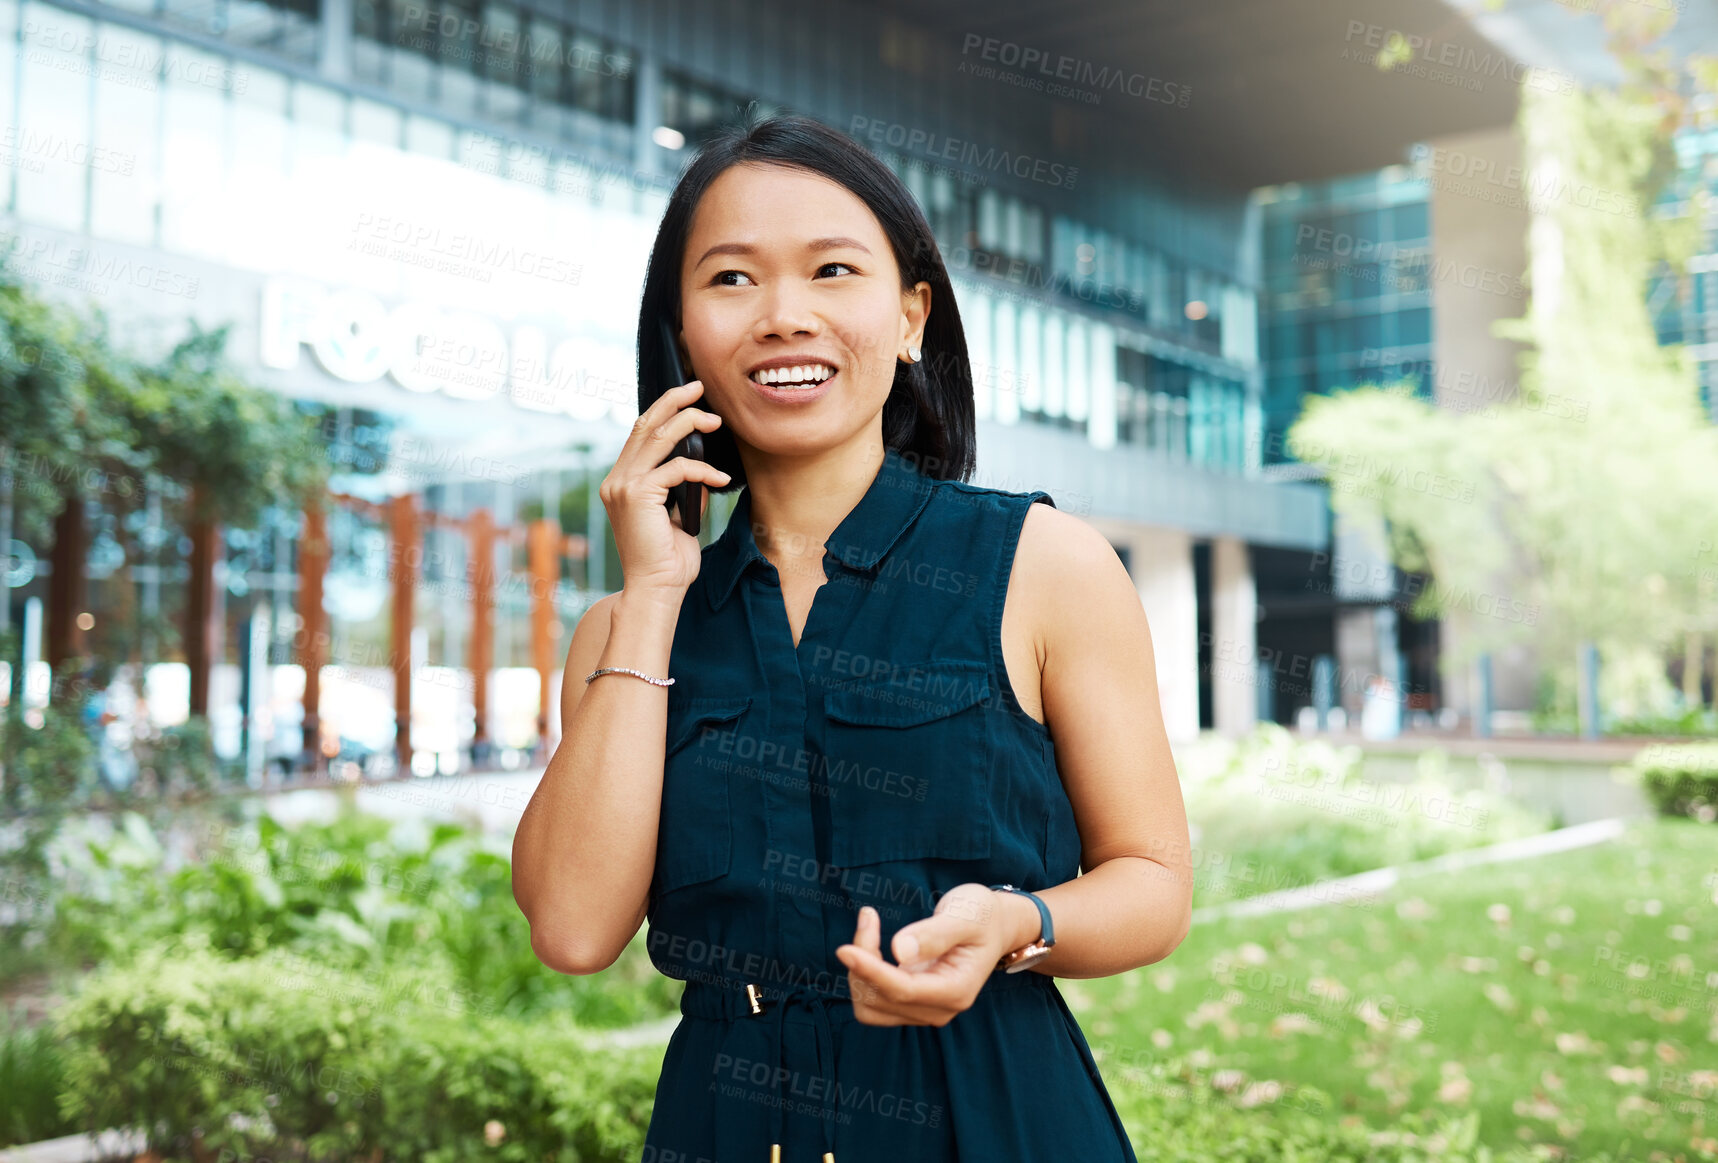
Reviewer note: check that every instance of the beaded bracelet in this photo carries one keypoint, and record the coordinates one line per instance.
(624, 670)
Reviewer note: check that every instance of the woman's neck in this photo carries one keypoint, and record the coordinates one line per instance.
(797, 502)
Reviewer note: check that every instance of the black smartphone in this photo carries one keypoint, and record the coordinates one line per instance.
(688, 496)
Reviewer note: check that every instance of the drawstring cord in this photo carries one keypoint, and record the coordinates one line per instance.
(819, 1007)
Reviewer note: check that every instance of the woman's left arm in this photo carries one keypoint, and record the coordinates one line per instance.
(1133, 903)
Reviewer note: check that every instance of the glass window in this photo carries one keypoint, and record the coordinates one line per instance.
(8, 92)
(286, 27)
(412, 75)
(1414, 326)
(196, 216)
(262, 143)
(1003, 363)
(545, 60)
(1409, 222)
(196, 15)
(1368, 334)
(1055, 363)
(1032, 223)
(1028, 380)
(498, 49)
(989, 220)
(975, 316)
(620, 96)
(375, 122)
(456, 87)
(693, 108)
(123, 197)
(1079, 370)
(429, 137)
(584, 70)
(53, 131)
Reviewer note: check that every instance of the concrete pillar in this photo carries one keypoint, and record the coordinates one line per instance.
(1360, 572)
(1359, 655)
(1161, 563)
(1479, 259)
(1234, 624)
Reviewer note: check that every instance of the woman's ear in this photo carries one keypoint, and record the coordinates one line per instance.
(917, 309)
(685, 356)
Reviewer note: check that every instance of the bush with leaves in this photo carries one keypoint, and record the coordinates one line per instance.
(279, 1053)
(358, 893)
(1270, 811)
(1681, 779)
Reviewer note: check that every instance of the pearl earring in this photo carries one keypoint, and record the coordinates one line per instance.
(912, 354)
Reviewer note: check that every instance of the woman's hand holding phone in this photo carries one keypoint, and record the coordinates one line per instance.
(656, 556)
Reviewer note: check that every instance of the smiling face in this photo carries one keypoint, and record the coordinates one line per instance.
(784, 264)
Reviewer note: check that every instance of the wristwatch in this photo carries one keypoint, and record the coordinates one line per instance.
(1028, 955)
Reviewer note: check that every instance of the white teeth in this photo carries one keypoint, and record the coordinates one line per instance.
(803, 376)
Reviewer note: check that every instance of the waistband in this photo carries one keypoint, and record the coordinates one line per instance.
(737, 999)
(723, 1000)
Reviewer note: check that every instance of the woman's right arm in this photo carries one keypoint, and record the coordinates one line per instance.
(585, 849)
(586, 845)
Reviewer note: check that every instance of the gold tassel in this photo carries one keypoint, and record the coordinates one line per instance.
(775, 1153)
(829, 1157)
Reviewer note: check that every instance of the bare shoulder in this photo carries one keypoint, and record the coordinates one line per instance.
(1061, 558)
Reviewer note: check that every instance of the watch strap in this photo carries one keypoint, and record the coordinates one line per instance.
(1047, 934)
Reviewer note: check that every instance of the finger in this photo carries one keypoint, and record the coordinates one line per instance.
(661, 410)
(675, 427)
(684, 468)
(890, 986)
(868, 933)
(875, 1007)
(923, 942)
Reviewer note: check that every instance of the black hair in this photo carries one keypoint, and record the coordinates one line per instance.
(928, 417)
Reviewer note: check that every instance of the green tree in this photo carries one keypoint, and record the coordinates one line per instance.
(1590, 489)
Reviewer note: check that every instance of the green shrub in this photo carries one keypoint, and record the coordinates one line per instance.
(178, 760)
(359, 893)
(1681, 779)
(277, 1053)
(1271, 811)
(1692, 721)
(31, 1072)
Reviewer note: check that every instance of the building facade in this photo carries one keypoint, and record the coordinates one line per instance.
(435, 219)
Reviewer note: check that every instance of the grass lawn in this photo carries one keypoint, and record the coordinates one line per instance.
(1569, 1000)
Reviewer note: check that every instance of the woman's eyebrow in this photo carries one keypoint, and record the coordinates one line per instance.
(838, 242)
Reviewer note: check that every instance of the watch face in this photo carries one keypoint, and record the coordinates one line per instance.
(1029, 959)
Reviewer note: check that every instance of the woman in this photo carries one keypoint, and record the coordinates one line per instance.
(913, 757)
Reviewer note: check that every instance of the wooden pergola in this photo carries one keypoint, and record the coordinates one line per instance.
(546, 546)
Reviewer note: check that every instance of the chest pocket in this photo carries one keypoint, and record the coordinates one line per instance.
(695, 835)
(907, 762)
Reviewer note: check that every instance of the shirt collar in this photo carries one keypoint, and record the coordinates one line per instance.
(892, 502)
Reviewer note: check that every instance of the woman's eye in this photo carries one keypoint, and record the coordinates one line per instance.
(721, 274)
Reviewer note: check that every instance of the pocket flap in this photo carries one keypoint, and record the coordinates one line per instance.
(689, 716)
(908, 695)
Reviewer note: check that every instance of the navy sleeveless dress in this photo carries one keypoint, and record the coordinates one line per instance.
(883, 761)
